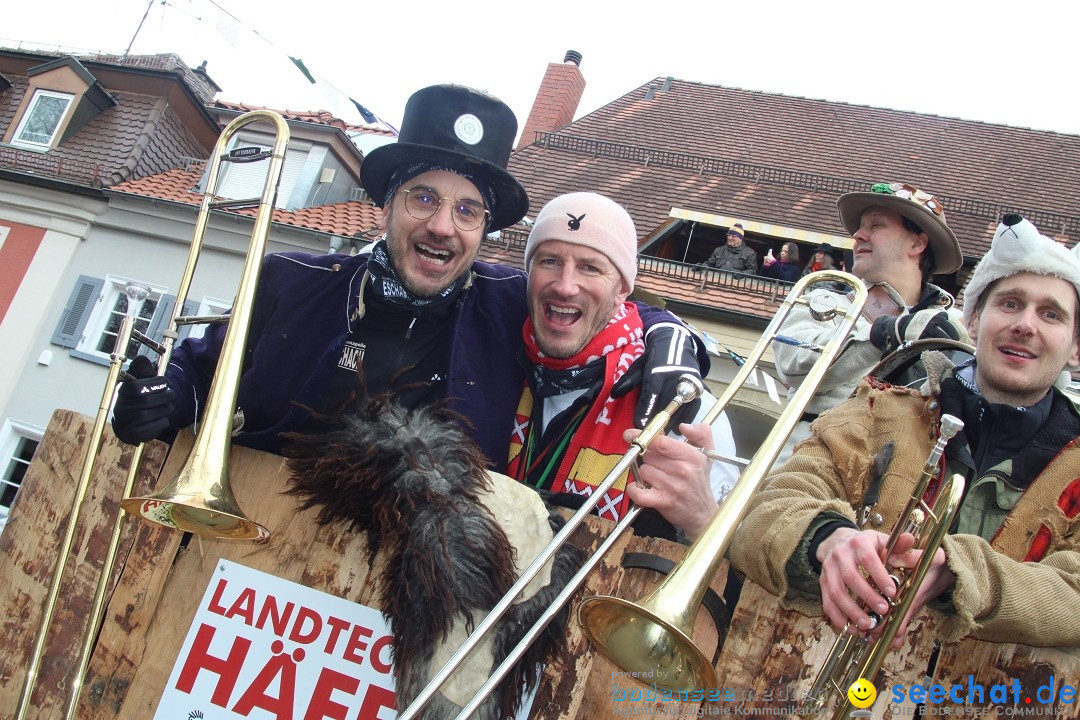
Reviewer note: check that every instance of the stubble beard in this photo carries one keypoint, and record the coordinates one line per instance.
(395, 247)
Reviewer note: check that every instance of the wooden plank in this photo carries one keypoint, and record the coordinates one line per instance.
(772, 655)
(30, 544)
(1040, 673)
(163, 582)
(325, 557)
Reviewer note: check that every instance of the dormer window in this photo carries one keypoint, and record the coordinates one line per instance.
(42, 120)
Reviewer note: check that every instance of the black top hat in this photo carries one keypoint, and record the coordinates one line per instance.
(461, 129)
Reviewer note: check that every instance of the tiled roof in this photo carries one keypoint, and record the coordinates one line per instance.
(140, 135)
(784, 160)
(318, 117)
(346, 219)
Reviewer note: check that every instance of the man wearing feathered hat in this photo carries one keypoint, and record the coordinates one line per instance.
(1009, 570)
(419, 301)
(901, 240)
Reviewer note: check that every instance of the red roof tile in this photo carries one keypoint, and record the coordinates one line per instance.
(318, 117)
(346, 219)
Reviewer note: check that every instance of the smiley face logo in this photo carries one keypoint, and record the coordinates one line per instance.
(862, 693)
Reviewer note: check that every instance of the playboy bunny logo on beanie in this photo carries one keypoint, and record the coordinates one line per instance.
(595, 222)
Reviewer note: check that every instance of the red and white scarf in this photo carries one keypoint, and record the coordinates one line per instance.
(597, 445)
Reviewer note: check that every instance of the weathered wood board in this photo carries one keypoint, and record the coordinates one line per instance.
(30, 544)
(163, 574)
(772, 656)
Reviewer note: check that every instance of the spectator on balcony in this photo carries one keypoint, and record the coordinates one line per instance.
(735, 254)
(786, 268)
(822, 259)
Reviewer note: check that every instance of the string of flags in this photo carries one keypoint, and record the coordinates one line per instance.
(228, 26)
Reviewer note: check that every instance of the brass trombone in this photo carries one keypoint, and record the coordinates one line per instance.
(136, 293)
(203, 503)
(654, 636)
(200, 499)
(669, 654)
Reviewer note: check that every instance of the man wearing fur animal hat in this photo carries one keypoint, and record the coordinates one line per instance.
(901, 240)
(1010, 569)
(582, 344)
(419, 300)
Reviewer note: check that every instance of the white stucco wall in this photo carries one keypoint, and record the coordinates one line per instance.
(134, 238)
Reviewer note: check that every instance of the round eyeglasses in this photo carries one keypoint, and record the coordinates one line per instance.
(422, 203)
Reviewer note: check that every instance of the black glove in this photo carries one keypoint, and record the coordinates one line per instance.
(889, 332)
(669, 354)
(144, 405)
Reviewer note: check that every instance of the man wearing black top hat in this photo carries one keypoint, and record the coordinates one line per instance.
(419, 300)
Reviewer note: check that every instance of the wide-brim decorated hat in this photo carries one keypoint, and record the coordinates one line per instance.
(460, 129)
(920, 207)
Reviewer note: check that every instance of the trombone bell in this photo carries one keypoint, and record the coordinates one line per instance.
(212, 511)
(642, 642)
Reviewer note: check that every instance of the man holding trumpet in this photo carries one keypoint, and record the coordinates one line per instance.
(1009, 571)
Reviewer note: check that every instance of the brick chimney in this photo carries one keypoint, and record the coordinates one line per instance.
(557, 99)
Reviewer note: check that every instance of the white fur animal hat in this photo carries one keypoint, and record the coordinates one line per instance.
(1018, 247)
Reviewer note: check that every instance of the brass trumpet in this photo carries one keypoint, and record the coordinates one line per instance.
(852, 656)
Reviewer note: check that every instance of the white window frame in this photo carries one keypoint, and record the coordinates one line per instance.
(29, 115)
(95, 326)
(240, 181)
(207, 306)
(12, 433)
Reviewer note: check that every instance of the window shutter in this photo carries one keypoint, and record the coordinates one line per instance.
(162, 315)
(77, 311)
(190, 308)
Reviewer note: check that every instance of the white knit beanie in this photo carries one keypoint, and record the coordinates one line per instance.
(1019, 247)
(592, 221)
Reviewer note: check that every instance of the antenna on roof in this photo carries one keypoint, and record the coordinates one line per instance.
(149, 4)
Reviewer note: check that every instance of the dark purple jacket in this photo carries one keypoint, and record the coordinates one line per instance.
(305, 308)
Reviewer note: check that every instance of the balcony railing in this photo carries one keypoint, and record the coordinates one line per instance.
(51, 165)
(693, 275)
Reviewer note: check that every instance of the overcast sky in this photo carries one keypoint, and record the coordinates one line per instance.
(1014, 64)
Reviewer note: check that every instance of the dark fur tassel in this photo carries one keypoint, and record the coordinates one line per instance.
(412, 480)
